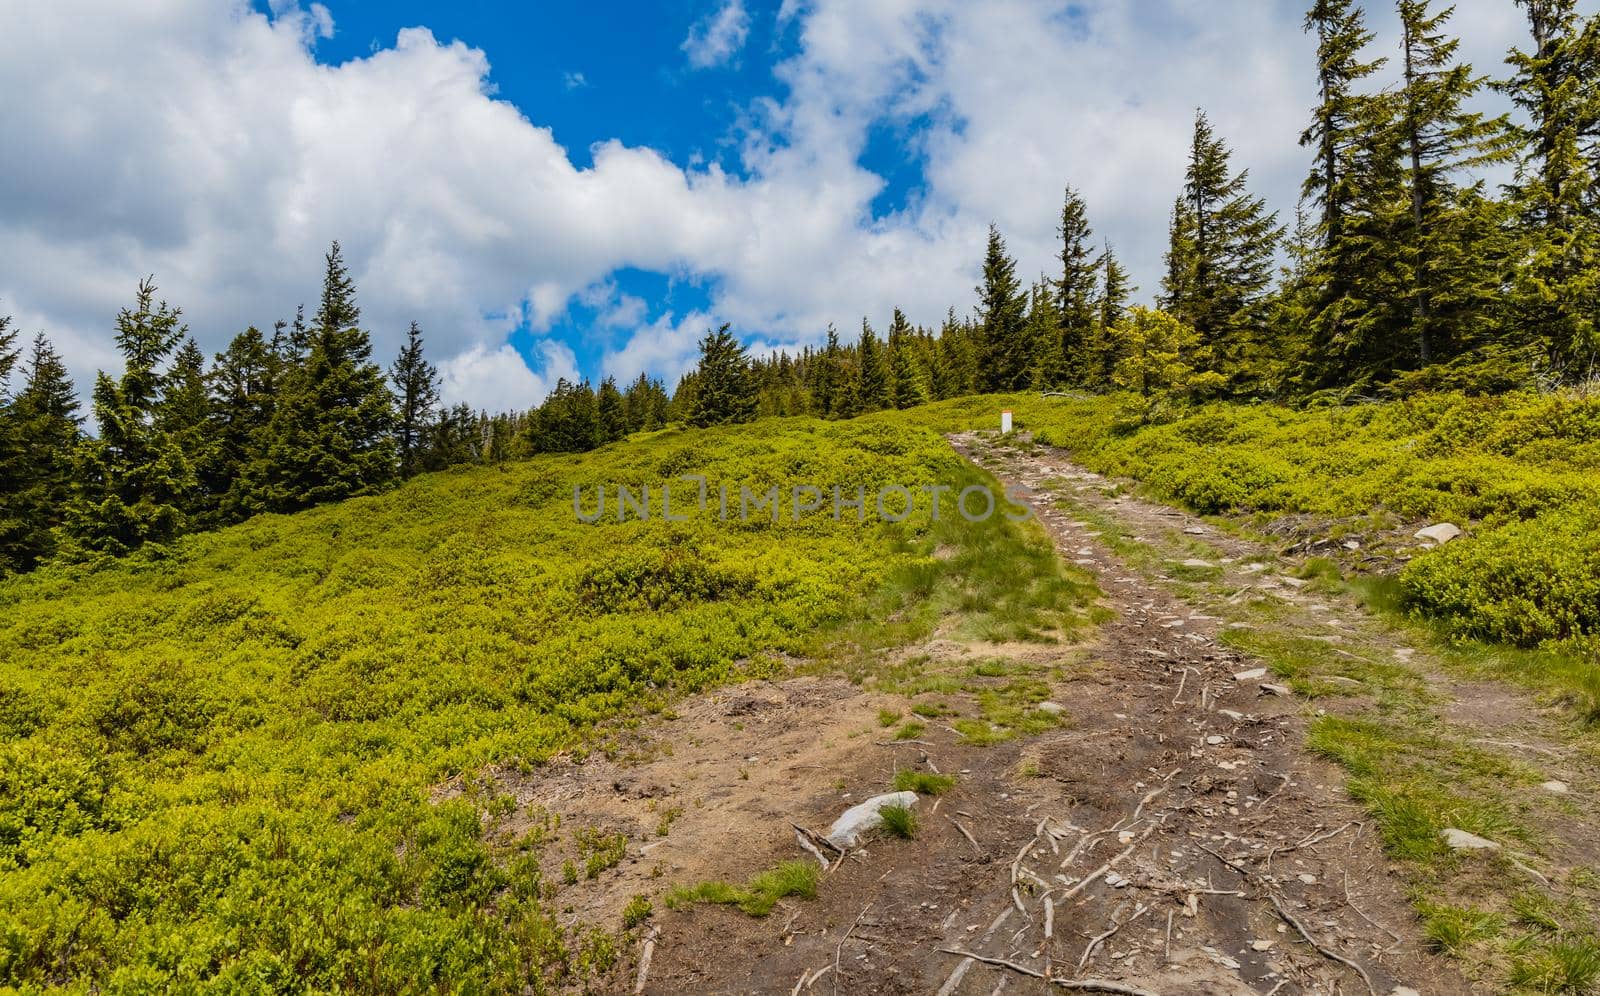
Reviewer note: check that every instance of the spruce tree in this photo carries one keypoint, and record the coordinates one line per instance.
(1005, 361)
(905, 378)
(134, 478)
(1220, 260)
(1115, 290)
(44, 413)
(1111, 306)
(724, 393)
(12, 525)
(568, 422)
(184, 414)
(1052, 367)
(453, 439)
(331, 434)
(1342, 113)
(243, 387)
(1075, 289)
(645, 404)
(416, 392)
(1446, 249)
(1159, 362)
(825, 386)
(1556, 84)
(872, 379)
(610, 412)
(1341, 184)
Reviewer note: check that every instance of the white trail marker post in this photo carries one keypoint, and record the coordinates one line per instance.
(1005, 422)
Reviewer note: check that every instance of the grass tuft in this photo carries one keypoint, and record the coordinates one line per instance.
(923, 782)
(899, 821)
(759, 895)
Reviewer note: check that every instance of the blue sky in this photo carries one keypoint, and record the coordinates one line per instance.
(581, 189)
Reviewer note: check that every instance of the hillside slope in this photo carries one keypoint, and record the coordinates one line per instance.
(216, 763)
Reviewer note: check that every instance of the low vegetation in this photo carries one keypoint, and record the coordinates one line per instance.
(758, 896)
(898, 821)
(923, 782)
(221, 761)
(1520, 472)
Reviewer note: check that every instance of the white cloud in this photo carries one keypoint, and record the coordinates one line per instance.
(717, 38)
(496, 379)
(201, 141)
(573, 81)
(666, 348)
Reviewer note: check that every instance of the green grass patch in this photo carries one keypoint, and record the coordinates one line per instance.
(1453, 929)
(922, 782)
(758, 896)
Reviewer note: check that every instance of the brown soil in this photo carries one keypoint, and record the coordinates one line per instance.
(1176, 806)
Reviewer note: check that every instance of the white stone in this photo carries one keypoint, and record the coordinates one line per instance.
(1460, 840)
(1216, 740)
(1254, 674)
(1559, 788)
(856, 821)
(1440, 533)
(1053, 708)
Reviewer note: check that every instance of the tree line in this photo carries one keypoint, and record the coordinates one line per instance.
(1404, 272)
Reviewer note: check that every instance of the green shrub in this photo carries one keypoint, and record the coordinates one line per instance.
(1525, 583)
(217, 760)
(636, 912)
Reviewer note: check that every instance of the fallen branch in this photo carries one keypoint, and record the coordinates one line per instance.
(953, 983)
(1081, 985)
(808, 979)
(1310, 841)
(1352, 904)
(644, 959)
(968, 834)
(817, 838)
(839, 950)
(1117, 859)
(1290, 919)
(1095, 942)
(801, 839)
(1547, 752)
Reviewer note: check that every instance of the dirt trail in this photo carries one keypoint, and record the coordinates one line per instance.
(1172, 837)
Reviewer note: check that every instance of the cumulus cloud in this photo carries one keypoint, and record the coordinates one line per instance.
(494, 378)
(717, 38)
(201, 141)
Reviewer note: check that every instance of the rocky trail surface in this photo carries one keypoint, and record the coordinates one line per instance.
(1172, 835)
